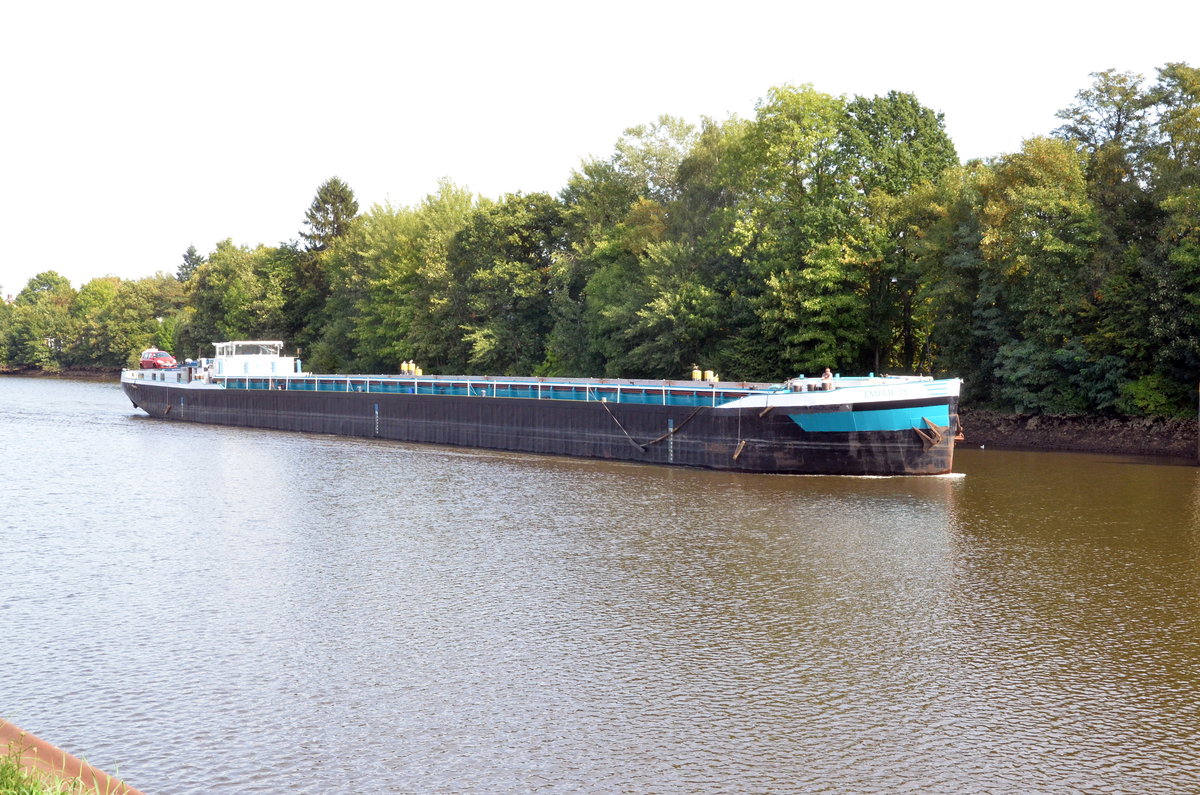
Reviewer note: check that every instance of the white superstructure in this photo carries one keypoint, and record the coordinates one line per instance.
(250, 357)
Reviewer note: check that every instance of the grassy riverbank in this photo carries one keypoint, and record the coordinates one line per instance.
(30, 765)
(17, 780)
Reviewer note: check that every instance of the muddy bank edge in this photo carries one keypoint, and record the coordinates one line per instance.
(1175, 438)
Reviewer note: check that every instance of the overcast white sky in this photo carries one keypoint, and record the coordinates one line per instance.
(132, 130)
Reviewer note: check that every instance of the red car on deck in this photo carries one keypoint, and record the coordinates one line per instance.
(154, 359)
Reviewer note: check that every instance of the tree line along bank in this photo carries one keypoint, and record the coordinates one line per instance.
(825, 231)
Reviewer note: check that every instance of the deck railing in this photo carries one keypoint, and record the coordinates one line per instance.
(667, 393)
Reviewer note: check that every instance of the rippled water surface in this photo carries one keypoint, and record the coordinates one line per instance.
(204, 609)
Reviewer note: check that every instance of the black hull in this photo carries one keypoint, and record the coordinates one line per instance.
(741, 440)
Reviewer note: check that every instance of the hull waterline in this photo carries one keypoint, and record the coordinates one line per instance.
(834, 438)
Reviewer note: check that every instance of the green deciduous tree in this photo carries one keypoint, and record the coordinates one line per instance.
(1143, 148)
(958, 301)
(88, 345)
(595, 205)
(142, 313)
(892, 145)
(236, 294)
(795, 224)
(41, 327)
(504, 254)
(394, 297)
(650, 154)
(6, 314)
(1039, 230)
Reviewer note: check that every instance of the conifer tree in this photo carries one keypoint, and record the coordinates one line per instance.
(329, 215)
(191, 260)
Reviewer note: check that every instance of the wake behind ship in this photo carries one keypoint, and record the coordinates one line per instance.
(885, 425)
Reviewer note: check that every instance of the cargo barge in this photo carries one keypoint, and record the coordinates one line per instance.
(876, 425)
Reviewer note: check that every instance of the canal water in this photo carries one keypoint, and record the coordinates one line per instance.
(203, 609)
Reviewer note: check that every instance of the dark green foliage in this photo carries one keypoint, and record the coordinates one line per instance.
(237, 294)
(306, 275)
(329, 216)
(115, 320)
(191, 261)
(40, 323)
(893, 144)
(504, 258)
